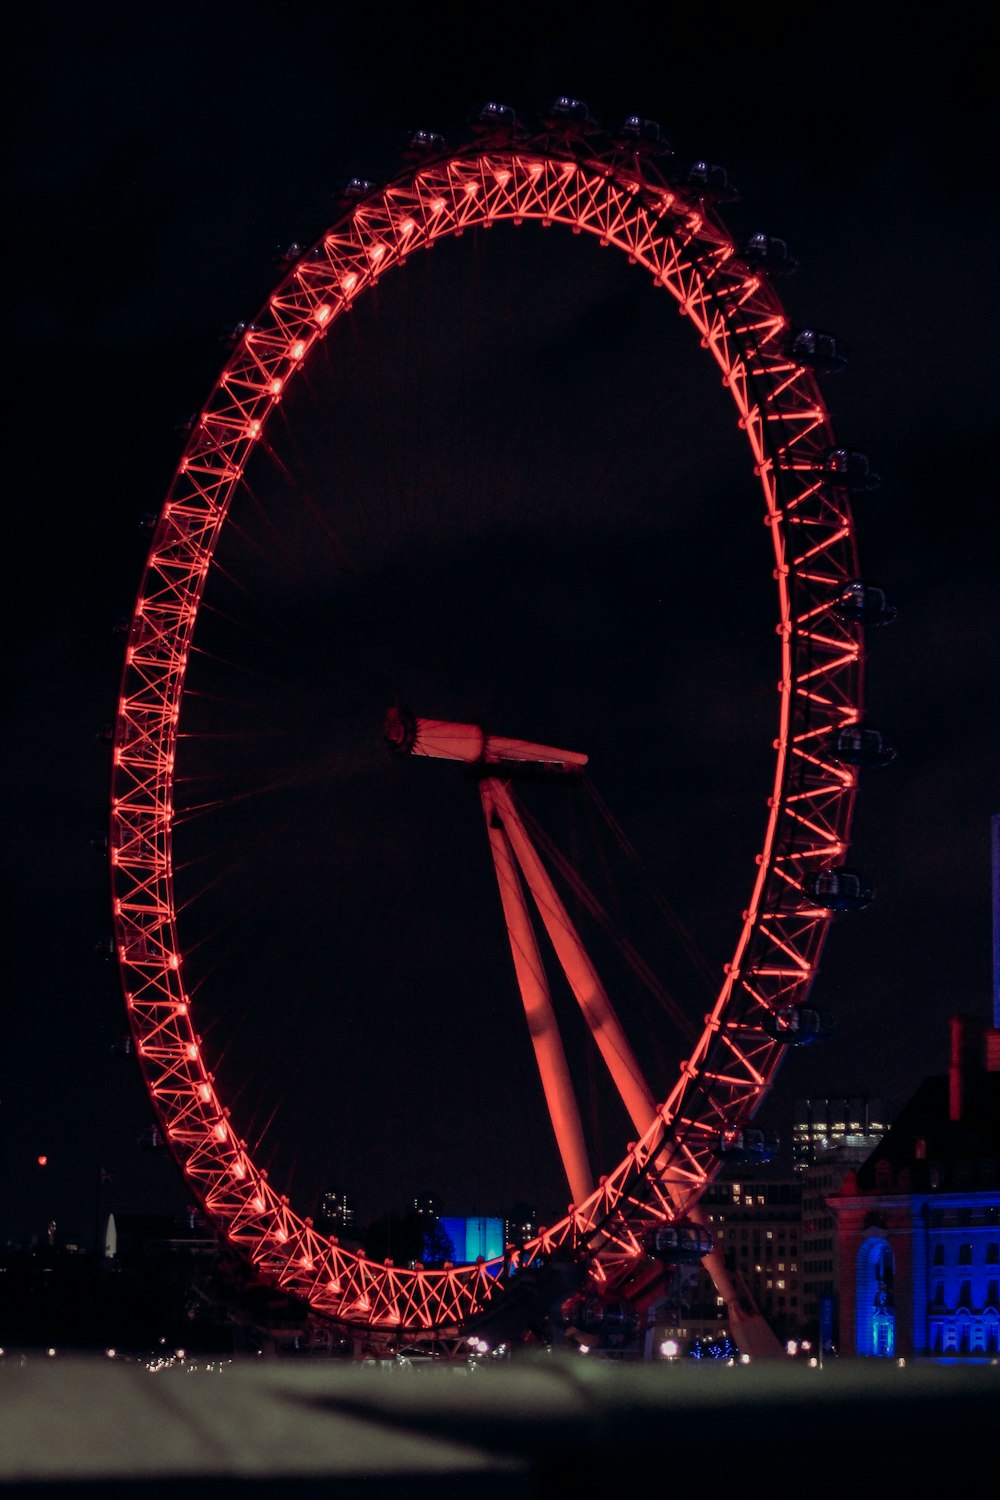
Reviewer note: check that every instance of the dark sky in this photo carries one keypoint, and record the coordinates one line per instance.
(158, 160)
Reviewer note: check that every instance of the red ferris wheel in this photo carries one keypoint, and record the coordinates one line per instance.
(623, 187)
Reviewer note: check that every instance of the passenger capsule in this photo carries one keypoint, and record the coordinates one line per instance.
(770, 253)
(235, 333)
(567, 111)
(600, 1319)
(355, 188)
(861, 745)
(494, 116)
(797, 1025)
(839, 889)
(682, 1244)
(815, 349)
(746, 1146)
(424, 143)
(864, 603)
(711, 181)
(640, 133)
(287, 255)
(851, 470)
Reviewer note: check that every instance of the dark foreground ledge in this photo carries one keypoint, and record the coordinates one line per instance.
(545, 1426)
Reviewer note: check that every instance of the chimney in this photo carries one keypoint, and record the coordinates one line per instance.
(991, 1058)
(995, 862)
(967, 1056)
(993, 1049)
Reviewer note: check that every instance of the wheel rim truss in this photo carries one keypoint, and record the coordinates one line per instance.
(628, 203)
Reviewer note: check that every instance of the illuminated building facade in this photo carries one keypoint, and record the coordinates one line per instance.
(335, 1211)
(757, 1224)
(474, 1237)
(854, 1123)
(918, 1223)
(820, 1262)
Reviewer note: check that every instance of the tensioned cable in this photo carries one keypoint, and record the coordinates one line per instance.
(594, 907)
(687, 940)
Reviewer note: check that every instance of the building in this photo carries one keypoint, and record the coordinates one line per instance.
(130, 1237)
(918, 1223)
(521, 1224)
(757, 1225)
(335, 1211)
(474, 1237)
(820, 1260)
(854, 1123)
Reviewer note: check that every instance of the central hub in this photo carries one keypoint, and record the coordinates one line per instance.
(443, 740)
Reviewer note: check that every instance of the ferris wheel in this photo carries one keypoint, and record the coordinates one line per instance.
(624, 187)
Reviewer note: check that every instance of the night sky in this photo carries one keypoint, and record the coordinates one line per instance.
(602, 581)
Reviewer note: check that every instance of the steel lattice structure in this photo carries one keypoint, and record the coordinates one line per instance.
(632, 199)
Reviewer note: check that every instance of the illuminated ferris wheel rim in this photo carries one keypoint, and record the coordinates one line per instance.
(627, 198)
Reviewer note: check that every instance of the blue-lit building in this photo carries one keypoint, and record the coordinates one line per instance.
(918, 1223)
(474, 1237)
